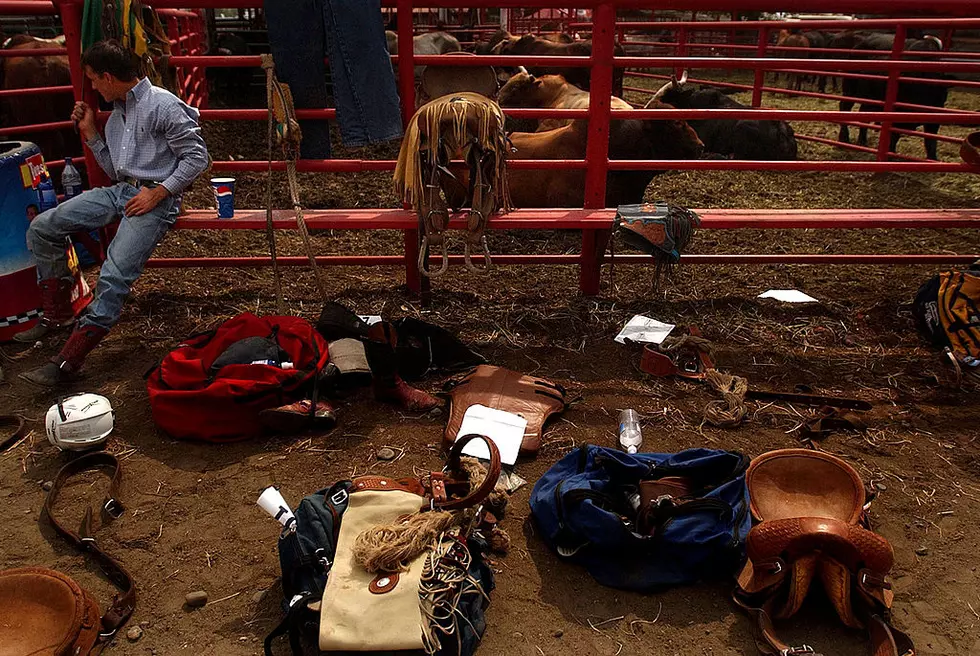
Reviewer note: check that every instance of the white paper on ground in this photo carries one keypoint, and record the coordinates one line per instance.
(788, 296)
(505, 429)
(644, 329)
(370, 319)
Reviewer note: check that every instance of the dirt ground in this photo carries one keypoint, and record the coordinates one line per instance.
(191, 520)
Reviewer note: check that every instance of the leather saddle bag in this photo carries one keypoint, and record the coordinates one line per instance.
(812, 526)
(44, 612)
(534, 399)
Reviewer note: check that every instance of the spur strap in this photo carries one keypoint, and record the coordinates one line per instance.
(122, 604)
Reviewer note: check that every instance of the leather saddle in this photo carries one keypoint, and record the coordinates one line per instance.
(812, 524)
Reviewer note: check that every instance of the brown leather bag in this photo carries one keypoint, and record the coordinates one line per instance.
(46, 612)
(810, 506)
(534, 399)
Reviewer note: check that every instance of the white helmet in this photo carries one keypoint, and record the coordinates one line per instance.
(79, 422)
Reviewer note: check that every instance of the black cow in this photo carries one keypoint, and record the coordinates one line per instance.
(932, 95)
(231, 86)
(736, 138)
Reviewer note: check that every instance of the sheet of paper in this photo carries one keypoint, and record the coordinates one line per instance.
(644, 329)
(505, 429)
(788, 296)
(370, 319)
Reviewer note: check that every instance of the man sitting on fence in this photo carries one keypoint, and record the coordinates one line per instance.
(153, 149)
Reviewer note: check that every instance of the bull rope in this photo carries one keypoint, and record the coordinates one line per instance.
(284, 127)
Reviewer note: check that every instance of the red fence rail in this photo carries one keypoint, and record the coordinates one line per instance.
(605, 32)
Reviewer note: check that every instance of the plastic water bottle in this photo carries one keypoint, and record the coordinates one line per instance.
(71, 180)
(630, 437)
(47, 197)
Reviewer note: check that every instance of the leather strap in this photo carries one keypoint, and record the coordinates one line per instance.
(453, 464)
(19, 431)
(122, 604)
(885, 639)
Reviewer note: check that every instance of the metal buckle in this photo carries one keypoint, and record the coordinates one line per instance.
(113, 508)
(777, 570)
(338, 497)
(803, 649)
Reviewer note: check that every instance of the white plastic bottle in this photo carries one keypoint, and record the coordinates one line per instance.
(630, 437)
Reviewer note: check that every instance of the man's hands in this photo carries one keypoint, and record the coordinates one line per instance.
(145, 200)
(84, 116)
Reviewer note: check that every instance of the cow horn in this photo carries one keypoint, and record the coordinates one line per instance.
(683, 79)
(662, 90)
(521, 69)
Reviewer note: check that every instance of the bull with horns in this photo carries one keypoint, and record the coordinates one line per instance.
(735, 138)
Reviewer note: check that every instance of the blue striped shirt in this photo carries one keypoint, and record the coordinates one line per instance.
(152, 135)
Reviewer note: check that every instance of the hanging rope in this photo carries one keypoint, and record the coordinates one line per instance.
(289, 135)
(270, 234)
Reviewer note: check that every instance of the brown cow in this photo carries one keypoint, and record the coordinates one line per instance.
(27, 72)
(548, 91)
(535, 45)
(628, 139)
(792, 39)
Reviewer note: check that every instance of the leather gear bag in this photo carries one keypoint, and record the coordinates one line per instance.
(811, 509)
(354, 598)
(327, 585)
(46, 612)
(534, 399)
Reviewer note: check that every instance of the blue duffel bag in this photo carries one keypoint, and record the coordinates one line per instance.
(647, 520)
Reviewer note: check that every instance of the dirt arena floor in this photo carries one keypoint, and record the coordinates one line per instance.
(191, 520)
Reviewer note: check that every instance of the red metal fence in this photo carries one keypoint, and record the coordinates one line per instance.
(184, 29)
(605, 31)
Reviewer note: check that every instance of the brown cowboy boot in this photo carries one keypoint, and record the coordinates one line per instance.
(388, 385)
(64, 366)
(56, 305)
(296, 417)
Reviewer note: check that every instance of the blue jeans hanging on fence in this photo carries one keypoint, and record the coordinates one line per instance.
(351, 34)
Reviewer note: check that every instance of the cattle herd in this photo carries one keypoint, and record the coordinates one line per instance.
(567, 87)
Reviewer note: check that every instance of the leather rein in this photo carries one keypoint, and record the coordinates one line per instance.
(124, 603)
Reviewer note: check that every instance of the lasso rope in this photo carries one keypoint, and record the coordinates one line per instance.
(391, 547)
(281, 109)
(730, 410)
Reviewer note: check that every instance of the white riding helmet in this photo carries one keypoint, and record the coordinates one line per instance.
(79, 422)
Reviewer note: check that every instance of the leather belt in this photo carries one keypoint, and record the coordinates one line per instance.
(136, 182)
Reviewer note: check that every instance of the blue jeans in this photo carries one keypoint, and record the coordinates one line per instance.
(127, 254)
(351, 34)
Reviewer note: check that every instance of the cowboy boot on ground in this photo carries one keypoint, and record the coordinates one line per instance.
(56, 305)
(298, 417)
(388, 385)
(63, 367)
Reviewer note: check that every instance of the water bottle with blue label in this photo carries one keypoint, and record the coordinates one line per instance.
(71, 180)
(46, 195)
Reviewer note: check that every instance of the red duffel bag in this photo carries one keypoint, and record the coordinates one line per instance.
(192, 400)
